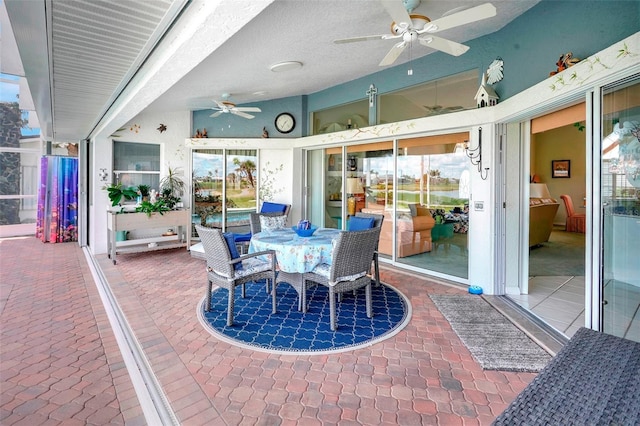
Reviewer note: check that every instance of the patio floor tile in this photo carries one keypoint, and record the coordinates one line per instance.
(60, 361)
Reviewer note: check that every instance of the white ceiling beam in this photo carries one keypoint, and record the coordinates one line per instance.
(29, 23)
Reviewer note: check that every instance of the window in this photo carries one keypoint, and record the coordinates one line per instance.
(136, 164)
(349, 116)
(443, 96)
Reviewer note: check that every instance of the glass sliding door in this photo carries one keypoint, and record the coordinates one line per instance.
(332, 187)
(224, 188)
(369, 185)
(432, 203)
(620, 192)
(208, 169)
(316, 212)
(241, 181)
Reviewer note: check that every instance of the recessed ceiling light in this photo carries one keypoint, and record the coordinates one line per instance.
(260, 93)
(285, 66)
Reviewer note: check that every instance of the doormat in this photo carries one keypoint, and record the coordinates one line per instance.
(290, 331)
(491, 338)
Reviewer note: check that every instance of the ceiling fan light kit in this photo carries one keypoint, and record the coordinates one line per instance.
(419, 28)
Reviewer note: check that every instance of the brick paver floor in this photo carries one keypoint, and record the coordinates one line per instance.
(59, 361)
(51, 321)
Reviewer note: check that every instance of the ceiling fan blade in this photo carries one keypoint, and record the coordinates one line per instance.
(443, 45)
(355, 39)
(393, 54)
(246, 109)
(242, 114)
(463, 17)
(216, 114)
(397, 11)
(220, 104)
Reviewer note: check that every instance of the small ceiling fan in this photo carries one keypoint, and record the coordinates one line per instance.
(439, 109)
(226, 107)
(411, 28)
(436, 108)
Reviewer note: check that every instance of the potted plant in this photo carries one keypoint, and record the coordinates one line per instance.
(150, 208)
(143, 190)
(117, 192)
(172, 186)
(169, 199)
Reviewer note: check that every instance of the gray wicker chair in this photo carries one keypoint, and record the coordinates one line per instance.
(221, 270)
(254, 221)
(378, 219)
(243, 240)
(349, 269)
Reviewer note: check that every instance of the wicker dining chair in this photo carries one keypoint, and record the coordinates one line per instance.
(378, 219)
(254, 220)
(222, 269)
(349, 269)
(243, 240)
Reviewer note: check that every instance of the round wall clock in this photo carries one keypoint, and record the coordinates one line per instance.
(285, 122)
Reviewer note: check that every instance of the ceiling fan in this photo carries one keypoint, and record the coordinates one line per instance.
(439, 109)
(436, 108)
(226, 107)
(411, 28)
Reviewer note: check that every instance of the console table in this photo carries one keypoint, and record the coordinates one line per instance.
(178, 220)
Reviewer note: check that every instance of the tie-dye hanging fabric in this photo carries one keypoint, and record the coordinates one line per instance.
(58, 200)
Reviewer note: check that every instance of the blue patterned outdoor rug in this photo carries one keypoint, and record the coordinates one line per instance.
(290, 331)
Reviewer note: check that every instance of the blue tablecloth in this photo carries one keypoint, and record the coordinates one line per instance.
(294, 253)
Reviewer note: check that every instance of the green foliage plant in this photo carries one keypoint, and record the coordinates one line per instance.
(150, 208)
(172, 184)
(169, 199)
(144, 190)
(117, 192)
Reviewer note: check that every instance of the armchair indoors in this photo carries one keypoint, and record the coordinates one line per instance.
(227, 269)
(576, 222)
(414, 232)
(350, 265)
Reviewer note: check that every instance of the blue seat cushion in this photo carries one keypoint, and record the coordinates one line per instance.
(361, 223)
(268, 207)
(233, 250)
(242, 238)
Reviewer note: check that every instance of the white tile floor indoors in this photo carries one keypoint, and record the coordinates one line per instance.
(560, 302)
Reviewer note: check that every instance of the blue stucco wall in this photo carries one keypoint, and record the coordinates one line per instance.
(231, 126)
(530, 46)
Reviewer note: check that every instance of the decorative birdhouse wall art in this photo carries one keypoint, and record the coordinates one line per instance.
(486, 96)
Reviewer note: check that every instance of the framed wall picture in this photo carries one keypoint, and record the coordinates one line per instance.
(561, 168)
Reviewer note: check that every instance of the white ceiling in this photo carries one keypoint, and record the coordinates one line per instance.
(82, 57)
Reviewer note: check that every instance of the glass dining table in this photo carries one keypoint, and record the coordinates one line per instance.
(296, 254)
